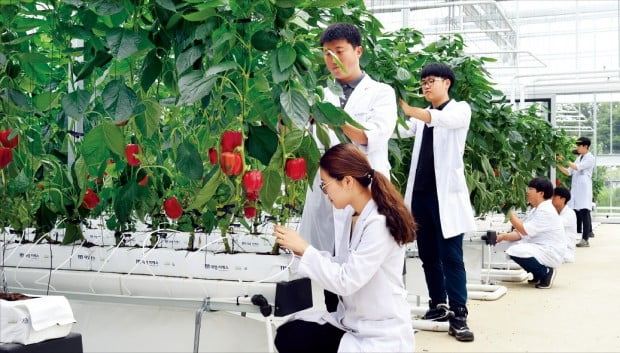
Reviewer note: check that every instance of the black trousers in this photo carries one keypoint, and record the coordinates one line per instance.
(584, 223)
(307, 337)
(331, 301)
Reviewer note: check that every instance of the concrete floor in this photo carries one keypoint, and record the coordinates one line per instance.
(581, 313)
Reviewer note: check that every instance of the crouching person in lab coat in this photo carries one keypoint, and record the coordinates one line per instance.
(561, 196)
(373, 314)
(541, 240)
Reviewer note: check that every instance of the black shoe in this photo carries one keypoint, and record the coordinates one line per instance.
(458, 328)
(547, 281)
(533, 281)
(440, 312)
(583, 244)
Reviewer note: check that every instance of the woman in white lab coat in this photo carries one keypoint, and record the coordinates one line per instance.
(373, 314)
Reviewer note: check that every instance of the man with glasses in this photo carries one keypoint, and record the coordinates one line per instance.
(581, 188)
(438, 195)
(539, 240)
(370, 103)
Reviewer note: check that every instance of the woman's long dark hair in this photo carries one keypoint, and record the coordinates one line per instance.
(346, 159)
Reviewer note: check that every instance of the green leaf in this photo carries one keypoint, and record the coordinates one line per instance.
(100, 59)
(80, 172)
(93, 147)
(311, 154)
(119, 100)
(124, 43)
(277, 74)
(206, 193)
(193, 86)
(186, 59)
(262, 143)
(188, 161)
(149, 121)
(286, 56)
(36, 66)
(73, 233)
(76, 103)
(201, 15)
(296, 107)
(124, 200)
(18, 99)
(221, 67)
(323, 136)
(292, 141)
(167, 4)
(272, 186)
(402, 74)
(328, 114)
(515, 136)
(45, 100)
(113, 138)
(150, 71)
(106, 7)
(324, 3)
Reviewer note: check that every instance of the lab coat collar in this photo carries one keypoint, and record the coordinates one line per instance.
(368, 210)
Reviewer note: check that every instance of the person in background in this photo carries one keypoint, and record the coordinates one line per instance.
(370, 103)
(540, 242)
(581, 188)
(560, 198)
(438, 195)
(373, 314)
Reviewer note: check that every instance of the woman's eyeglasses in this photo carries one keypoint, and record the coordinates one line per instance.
(323, 185)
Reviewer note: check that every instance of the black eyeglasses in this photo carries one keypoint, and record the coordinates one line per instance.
(429, 82)
(323, 185)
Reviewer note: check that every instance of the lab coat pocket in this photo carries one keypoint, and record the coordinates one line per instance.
(457, 180)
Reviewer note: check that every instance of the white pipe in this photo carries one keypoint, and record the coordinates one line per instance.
(485, 291)
(499, 30)
(567, 73)
(428, 325)
(506, 275)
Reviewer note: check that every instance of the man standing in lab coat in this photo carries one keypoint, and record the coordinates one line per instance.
(581, 188)
(438, 195)
(370, 103)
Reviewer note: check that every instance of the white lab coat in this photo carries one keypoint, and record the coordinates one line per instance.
(367, 276)
(569, 220)
(545, 239)
(581, 183)
(373, 105)
(449, 136)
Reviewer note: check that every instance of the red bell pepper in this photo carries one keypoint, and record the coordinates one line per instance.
(213, 155)
(144, 180)
(296, 168)
(4, 139)
(252, 195)
(91, 200)
(253, 180)
(173, 208)
(130, 152)
(6, 156)
(231, 163)
(231, 140)
(249, 212)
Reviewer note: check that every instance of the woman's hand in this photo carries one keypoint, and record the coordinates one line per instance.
(290, 239)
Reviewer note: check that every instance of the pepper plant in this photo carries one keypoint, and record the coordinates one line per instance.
(142, 93)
